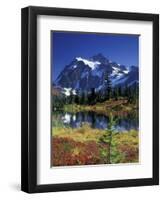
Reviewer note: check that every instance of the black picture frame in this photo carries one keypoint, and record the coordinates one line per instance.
(29, 99)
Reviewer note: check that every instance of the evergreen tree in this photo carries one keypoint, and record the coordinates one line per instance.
(108, 86)
(92, 96)
(108, 136)
(115, 93)
(119, 91)
(99, 96)
(57, 102)
(129, 94)
(126, 91)
(86, 98)
(82, 99)
(77, 98)
(71, 97)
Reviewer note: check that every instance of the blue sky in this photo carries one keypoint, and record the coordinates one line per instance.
(122, 49)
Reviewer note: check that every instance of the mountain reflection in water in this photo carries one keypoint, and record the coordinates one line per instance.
(95, 120)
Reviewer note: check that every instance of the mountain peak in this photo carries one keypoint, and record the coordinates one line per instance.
(101, 58)
(86, 73)
(90, 63)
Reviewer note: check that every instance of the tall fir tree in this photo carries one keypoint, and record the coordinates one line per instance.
(119, 91)
(71, 97)
(92, 97)
(115, 93)
(82, 99)
(77, 98)
(108, 85)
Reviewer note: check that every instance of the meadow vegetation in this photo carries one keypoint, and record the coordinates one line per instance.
(85, 145)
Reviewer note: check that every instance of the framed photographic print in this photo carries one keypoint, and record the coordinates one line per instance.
(90, 99)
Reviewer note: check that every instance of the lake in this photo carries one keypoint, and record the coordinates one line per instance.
(95, 120)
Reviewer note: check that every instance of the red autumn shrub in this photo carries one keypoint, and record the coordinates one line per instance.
(66, 151)
(129, 152)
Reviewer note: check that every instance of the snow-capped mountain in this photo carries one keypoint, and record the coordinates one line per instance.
(84, 74)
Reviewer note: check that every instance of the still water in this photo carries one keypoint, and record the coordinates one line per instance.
(95, 120)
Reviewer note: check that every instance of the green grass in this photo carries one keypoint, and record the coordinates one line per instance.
(81, 134)
(86, 133)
